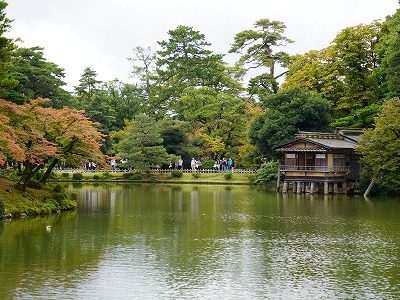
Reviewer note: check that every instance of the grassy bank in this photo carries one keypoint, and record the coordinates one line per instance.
(33, 202)
(200, 178)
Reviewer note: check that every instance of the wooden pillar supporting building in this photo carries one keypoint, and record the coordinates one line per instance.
(298, 188)
(312, 187)
(335, 188)
(285, 187)
(326, 188)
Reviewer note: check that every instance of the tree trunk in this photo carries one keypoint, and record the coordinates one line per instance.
(368, 190)
(49, 169)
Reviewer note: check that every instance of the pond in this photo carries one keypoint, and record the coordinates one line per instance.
(149, 241)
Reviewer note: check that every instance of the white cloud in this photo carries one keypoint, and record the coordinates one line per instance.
(101, 33)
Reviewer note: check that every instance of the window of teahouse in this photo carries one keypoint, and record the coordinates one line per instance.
(320, 159)
(338, 160)
(310, 159)
(290, 159)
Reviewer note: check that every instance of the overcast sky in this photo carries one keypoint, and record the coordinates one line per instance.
(101, 33)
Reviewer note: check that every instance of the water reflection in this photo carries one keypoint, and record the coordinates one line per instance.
(213, 242)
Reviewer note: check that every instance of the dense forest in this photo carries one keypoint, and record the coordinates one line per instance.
(186, 101)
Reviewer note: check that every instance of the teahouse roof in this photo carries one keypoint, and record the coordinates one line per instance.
(322, 142)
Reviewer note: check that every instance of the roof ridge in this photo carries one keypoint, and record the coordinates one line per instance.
(319, 135)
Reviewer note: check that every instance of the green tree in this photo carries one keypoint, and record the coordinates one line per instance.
(218, 117)
(142, 144)
(286, 113)
(356, 60)
(316, 71)
(88, 86)
(258, 50)
(380, 148)
(126, 99)
(347, 74)
(7, 46)
(175, 135)
(185, 61)
(37, 78)
(388, 48)
(143, 69)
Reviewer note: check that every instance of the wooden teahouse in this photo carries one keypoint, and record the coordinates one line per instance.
(321, 162)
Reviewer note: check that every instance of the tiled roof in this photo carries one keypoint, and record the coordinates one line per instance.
(334, 143)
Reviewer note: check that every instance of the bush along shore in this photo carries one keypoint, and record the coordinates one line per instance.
(174, 176)
(31, 202)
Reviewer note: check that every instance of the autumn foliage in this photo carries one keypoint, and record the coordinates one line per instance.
(38, 137)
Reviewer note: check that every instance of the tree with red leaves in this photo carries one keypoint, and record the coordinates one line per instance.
(39, 137)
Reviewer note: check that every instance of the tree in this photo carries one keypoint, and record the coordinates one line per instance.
(126, 99)
(316, 71)
(9, 149)
(356, 60)
(347, 74)
(7, 46)
(286, 113)
(185, 61)
(379, 148)
(37, 78)
(43, 136)
(88, 86)
(218, 116)
(258, 47)
(175, 135)
(388, 49)
(142, 144)
(143, 68)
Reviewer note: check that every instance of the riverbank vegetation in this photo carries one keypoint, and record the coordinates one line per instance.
(186, 101)
(15, 203)
(172, 177)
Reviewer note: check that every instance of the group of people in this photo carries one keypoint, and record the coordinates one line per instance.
(195, 164)
(89, 166)
(178, 165)
(224, 165)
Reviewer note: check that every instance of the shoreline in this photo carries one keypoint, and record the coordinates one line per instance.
(15, 204)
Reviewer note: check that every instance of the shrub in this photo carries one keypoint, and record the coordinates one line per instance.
(106, 175)
(196, 175)
(132, 176)
(267, 173)
(207, 164)
(96, 177)
(65, 175)
(136, 176)
(127, 175)
(77, 176)
(38, 175)
(34, 184)
(228, 176)
(74, 196)
(58, 188)
(176, 174)
(2, 208)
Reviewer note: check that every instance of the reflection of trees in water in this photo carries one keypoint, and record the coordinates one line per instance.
(193, 237)
(35, 252)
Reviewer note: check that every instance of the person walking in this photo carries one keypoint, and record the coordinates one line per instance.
(193, 164)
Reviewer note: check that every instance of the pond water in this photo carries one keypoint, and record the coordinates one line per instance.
(204, 242)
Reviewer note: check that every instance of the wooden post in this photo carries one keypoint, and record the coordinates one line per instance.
(326, 188)
(285, 187)
(298, 189)
(294, 187)
(312, 188)
(278, 180)
(344, 187)
(335, 188)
